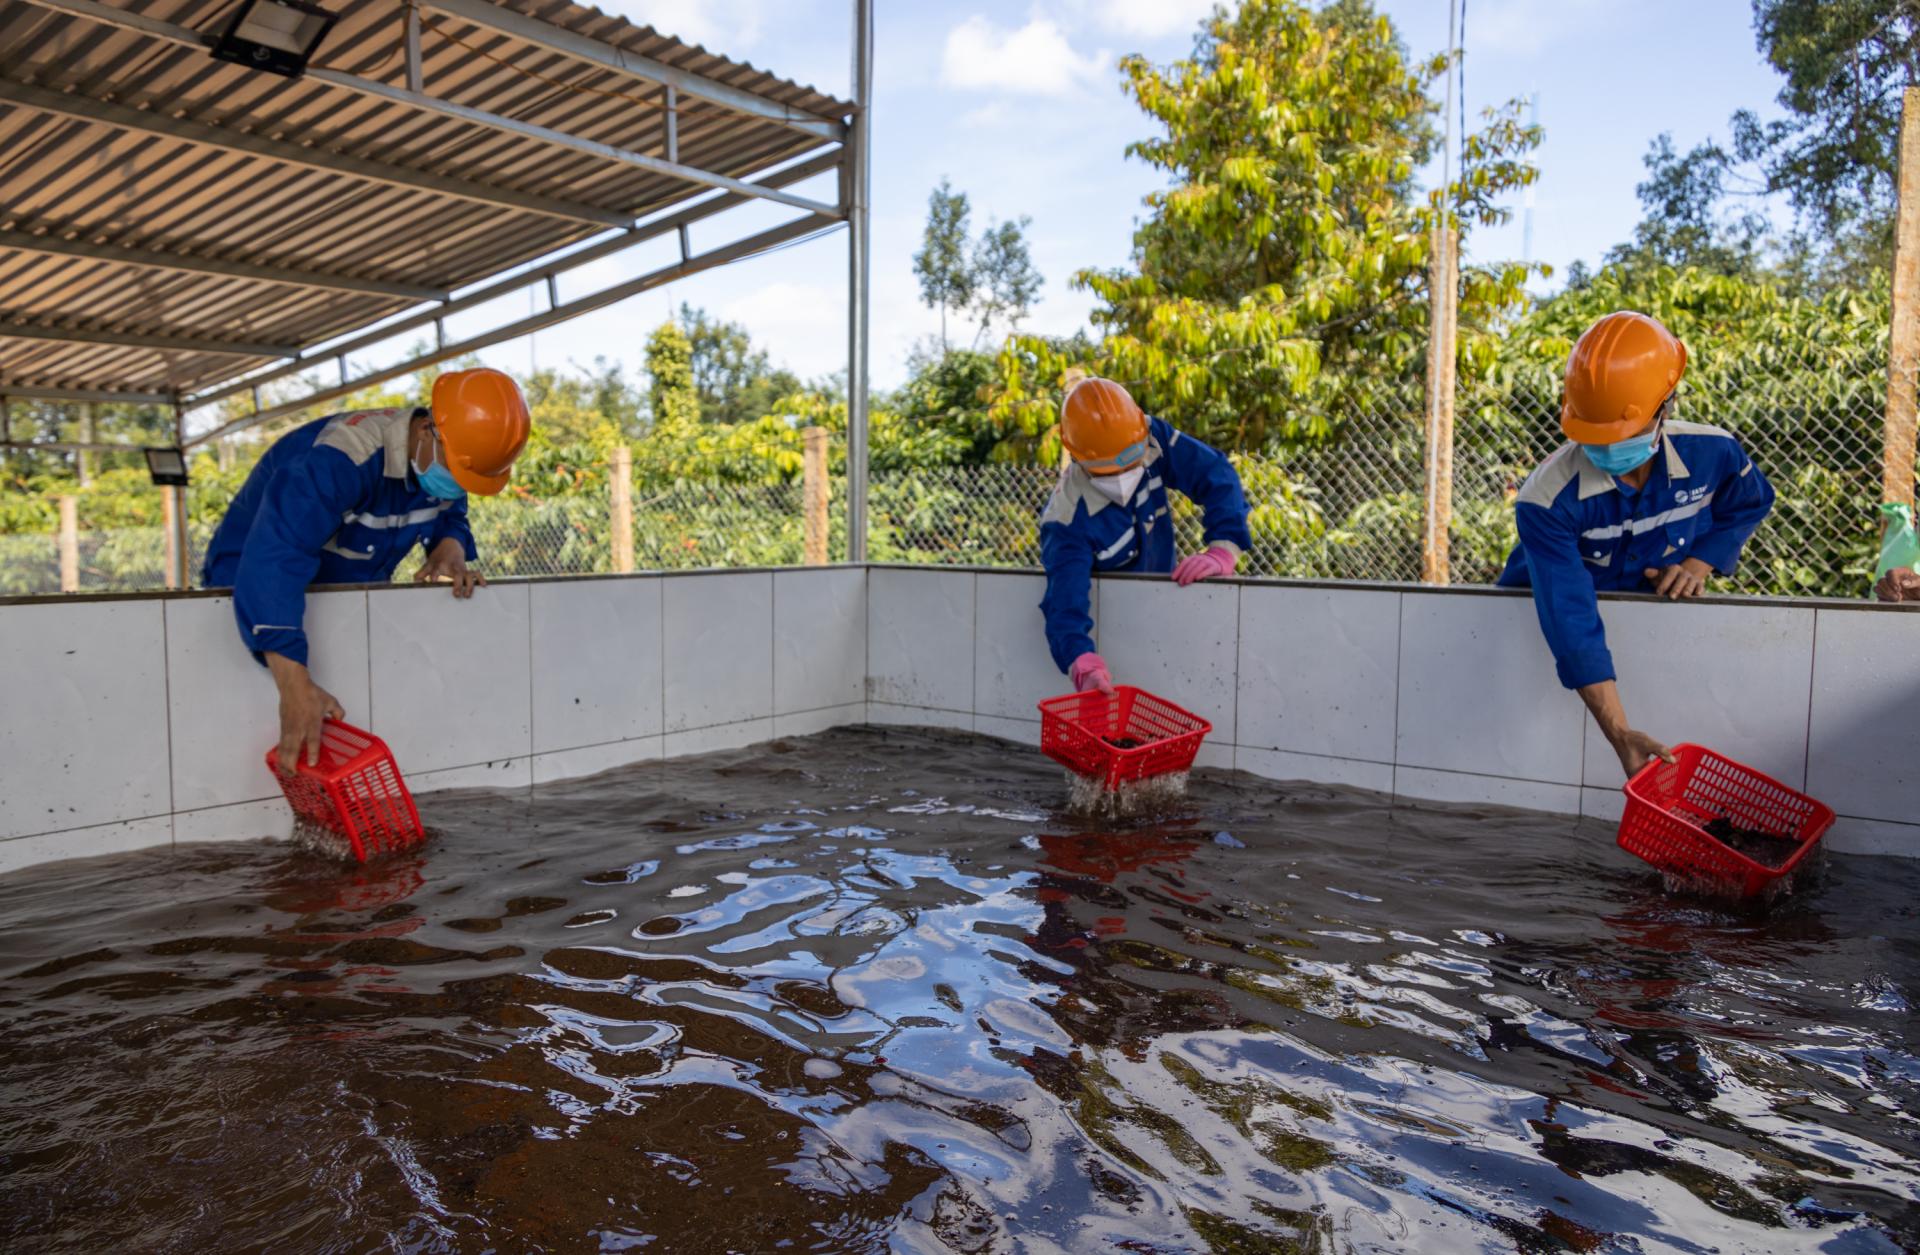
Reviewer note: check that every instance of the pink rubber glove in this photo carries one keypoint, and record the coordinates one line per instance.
(1212, 564)
(1089, 671)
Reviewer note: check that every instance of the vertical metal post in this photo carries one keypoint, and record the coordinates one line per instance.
(858, 185)
(1898, 437)
(620, 507)
(673, 154)
(414, 76)
(815, 494)
(179, 558)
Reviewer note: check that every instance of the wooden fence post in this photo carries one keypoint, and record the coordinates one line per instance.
(620, 508)
(69, 544)
(1443, 287)
(170, 525)
(815, 490)
(1897, 451)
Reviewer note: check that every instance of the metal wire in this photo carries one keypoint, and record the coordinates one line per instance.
(1350, 508)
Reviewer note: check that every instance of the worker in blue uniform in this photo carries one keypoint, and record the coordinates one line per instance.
(1109, 513)
(1636, 501)
(343, 500)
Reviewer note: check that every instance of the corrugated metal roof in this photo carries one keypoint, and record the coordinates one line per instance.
(102, 183)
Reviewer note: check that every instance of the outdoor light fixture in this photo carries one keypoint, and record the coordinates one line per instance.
(274, 35)
(168, 467)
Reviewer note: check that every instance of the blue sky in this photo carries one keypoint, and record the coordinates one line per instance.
(1018, 103)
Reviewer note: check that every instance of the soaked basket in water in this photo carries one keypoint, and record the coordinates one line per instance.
(1078, 731)
(355, 791)
(1670, 805)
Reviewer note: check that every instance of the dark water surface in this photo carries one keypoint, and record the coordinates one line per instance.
(873, 992)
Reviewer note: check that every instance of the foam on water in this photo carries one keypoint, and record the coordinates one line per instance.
(1090, 796)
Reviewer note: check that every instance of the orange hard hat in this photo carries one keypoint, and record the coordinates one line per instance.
(1622, 370)
(1101, 428)
(483, 422)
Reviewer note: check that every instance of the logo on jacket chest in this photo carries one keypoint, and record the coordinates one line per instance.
(1687, 496)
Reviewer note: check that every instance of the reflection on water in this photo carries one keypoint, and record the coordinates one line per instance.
(880, 992)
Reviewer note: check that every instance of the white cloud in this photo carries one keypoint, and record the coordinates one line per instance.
(1143, 19)
(728, 27)
(1034, 60)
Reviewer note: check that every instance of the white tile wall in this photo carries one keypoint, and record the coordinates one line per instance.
(84, 741)
(451, 680)
(1180, 643)
(1424, 784)
(222, 707)
(891, 714)
(466, 691)
(596, 662)
(1019, 731)
(1478, 693)
(819, 639)
(920, 635)
(719, 648)
(1012, 669)
(1599, 803)
(500, 773)
(1281, 765)
(591, 760)
(245, 821)
(1862, 759)
(808, 722)
(1319, 671)
(1871, 836)
(722, 736)
(1732, 677)
(120, 838)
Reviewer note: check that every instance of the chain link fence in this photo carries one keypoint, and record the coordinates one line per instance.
(1349, 508)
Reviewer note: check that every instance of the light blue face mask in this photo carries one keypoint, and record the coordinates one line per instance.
(438, 482)
(1623, 455)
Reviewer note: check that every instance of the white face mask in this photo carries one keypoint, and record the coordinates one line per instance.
(1119, 487)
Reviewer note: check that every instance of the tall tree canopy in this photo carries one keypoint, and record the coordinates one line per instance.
(1287, 258)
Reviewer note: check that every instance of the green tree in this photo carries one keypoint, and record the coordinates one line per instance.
(1287, 259)
(734, 379)
(943, 265)
(1005, 281)
(1684, 221)
(672, 399)
(1835, 156)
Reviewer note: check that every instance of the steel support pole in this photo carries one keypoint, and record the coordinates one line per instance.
(181, 559)
(858, 185)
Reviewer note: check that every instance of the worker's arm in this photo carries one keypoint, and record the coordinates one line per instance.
(1068, 603)
(1569, 612)
(299, 514)
(449, 548)
(1740, 503)
(1204, 474)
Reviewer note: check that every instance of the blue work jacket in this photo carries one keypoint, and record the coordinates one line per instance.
(1083, 531)
(1582, 531)
(332, 502)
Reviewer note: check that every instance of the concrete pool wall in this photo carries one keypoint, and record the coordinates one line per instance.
(138, 721)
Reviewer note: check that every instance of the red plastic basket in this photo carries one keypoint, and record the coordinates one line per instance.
(1077, 730)
(1669, 806)
(356, 791)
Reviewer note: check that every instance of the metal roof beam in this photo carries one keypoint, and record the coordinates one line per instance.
(414, 97)
(35, 392)
(633, 236)
(609, 56)
(136, 340)
(736, 251)
(85, 109)
(54, 245)
(531, 130)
